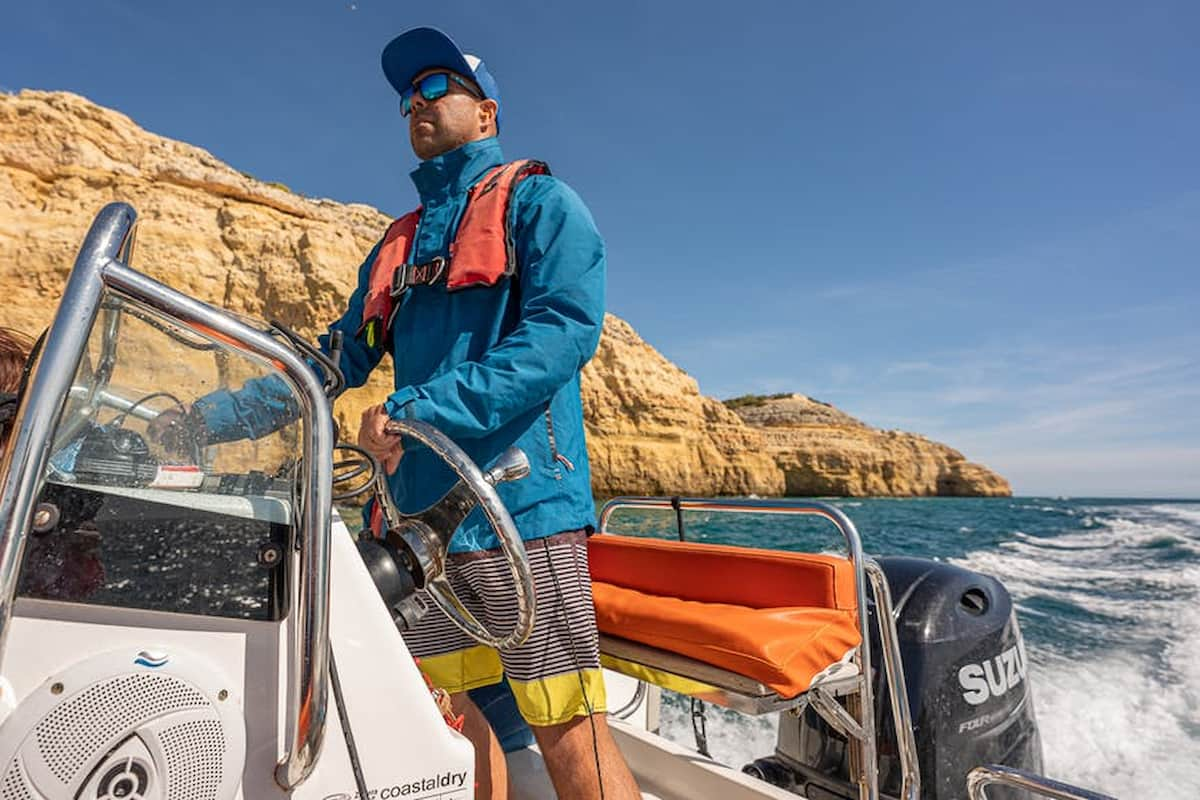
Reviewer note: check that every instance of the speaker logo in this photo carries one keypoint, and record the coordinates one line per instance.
(152, 659)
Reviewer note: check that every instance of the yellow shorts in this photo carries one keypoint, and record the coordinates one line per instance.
(555, 675)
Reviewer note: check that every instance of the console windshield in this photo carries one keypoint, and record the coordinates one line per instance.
(142, 506)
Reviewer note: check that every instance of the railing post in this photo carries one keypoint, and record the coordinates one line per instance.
(980, 777)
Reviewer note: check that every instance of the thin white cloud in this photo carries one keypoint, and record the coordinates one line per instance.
(913, 367)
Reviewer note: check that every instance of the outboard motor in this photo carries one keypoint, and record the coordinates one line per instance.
(965, 669)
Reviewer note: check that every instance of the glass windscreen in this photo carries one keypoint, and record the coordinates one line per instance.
(172, 475)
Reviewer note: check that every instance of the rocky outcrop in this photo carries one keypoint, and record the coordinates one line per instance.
(203, 227)
(261, 250)
(824, 451)
(650, 431)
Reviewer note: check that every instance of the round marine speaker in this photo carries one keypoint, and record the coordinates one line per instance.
(152, 724)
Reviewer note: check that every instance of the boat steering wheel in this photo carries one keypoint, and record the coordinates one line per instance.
(423, 539)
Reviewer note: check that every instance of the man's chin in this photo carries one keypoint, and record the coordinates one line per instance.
(426, 147)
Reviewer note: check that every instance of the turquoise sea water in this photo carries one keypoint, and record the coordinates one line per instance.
(1106, 592)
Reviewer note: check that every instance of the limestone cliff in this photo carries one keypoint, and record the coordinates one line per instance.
(824, 451)
(203, 227)
(650, 431)
(258, 249)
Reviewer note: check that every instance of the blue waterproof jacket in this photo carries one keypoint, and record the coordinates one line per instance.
(490, 366)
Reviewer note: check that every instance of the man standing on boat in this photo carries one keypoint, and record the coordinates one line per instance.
(490, 299)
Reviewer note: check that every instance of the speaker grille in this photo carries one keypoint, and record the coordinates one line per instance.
(195, 765)
(72, 733)
(15, 785)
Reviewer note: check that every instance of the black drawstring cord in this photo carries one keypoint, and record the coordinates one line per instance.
(562, 607)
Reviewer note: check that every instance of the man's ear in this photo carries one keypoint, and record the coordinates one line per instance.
(487, 115)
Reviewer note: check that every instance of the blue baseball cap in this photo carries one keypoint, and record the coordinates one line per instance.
(414, 51)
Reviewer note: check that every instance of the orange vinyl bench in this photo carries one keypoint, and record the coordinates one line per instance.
(755, 622)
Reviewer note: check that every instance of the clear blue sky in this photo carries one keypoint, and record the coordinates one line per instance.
(977, 223)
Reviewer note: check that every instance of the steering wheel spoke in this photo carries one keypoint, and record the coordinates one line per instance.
(427, 534)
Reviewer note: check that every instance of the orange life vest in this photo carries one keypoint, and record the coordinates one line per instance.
(481, 253)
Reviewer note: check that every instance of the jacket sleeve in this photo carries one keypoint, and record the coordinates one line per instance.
(561, 268)
(264, 405)
(357, 359)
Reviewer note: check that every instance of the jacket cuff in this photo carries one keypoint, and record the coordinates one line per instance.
(400, 403)
(216, 412)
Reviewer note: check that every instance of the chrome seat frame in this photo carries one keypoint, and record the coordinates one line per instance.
(846, 703)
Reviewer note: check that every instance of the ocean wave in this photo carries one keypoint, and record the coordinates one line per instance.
(1110, 725)
(1115, 644)
(1188, 513)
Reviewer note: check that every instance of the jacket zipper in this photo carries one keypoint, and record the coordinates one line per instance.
(555, 456)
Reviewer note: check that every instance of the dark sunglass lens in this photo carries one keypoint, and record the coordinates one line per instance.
(406, 102)
(435, 85)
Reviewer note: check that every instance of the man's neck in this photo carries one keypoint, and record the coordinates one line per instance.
(455, 170)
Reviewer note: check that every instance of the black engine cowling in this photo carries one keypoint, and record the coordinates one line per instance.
(965, 670)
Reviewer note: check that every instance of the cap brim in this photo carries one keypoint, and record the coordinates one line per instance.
(415, 51)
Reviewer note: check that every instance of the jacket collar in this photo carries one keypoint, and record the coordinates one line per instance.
(456, 171)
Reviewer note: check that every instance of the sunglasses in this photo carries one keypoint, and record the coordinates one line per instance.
(432, 87)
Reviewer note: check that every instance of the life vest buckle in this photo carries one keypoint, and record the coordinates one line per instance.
(408, 275)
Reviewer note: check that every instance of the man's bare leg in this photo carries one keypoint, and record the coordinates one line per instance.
(491, 770)
(570, 757)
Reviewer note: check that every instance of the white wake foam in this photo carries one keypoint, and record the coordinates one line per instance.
(1127, 720)
(1110, 726)
(733, 739)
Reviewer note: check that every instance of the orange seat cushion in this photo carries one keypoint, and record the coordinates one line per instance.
(779, 618)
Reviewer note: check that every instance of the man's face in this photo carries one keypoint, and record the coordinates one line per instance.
(457, 117)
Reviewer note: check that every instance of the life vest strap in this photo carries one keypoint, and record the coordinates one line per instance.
(482, 252)
(408, 275)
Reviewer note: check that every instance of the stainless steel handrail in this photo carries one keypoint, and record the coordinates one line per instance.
(869, 780)
(980, 777)
(112, 400)
(625, 711)
(49, 383)
(893, 668)
(28, 449)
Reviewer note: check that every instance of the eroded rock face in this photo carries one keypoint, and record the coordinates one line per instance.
(203, 227)
(650, 431)
(258, 249)
(823, 451)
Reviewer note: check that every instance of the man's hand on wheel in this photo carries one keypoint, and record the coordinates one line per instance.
(372, 437)
(178, 431)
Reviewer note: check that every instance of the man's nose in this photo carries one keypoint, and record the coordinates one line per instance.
(418, 101)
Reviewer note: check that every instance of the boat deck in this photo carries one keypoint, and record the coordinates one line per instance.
(664, 771)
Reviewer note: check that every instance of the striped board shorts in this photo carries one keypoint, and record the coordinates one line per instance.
(555, 675)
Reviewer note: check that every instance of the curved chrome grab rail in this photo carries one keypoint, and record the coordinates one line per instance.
(28, 450)
(626, 711)
(885, 616)
(980, 777)
(854, 549)
(97, 267)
